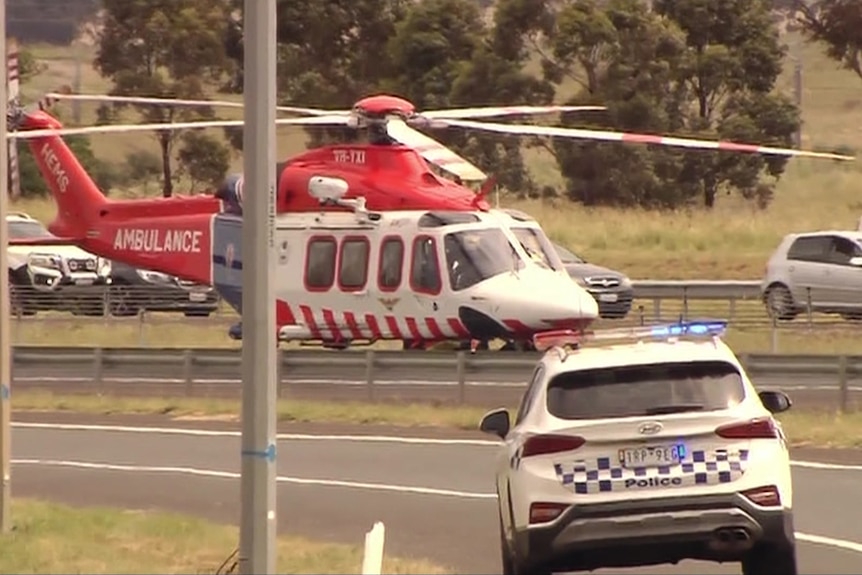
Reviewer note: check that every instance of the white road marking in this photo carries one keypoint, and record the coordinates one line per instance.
(840, 543)
(810, 538)
(229, 433)
(234, 475)
(318, 437)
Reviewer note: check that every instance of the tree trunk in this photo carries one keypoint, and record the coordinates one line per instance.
(710, 189)
(167, 175)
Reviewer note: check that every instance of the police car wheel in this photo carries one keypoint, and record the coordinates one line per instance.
(771, 560)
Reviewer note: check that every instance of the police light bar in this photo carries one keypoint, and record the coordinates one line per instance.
(567, 337)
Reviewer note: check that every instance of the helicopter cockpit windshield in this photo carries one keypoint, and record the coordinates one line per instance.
(537, 246)
(475, 255)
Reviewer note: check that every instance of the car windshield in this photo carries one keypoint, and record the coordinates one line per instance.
(27, 231)
(537, 245)
(651, 389)
(567, 256)
(473, 256)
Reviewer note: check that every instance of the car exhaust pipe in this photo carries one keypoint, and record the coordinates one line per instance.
(731, 539)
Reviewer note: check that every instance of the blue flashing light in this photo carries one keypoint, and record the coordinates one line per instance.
(699, 328)
(704, 328)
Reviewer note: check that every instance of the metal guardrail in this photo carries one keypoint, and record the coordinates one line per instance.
(373, 368)
(131, 299)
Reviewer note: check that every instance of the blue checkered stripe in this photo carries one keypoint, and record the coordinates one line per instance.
(699, 468)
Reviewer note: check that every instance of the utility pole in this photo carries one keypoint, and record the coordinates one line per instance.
(5, 297)
(259, 343)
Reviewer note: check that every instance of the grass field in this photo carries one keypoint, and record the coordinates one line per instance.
(803, 427)
(732, 241)
(53, 538)
(750, 331)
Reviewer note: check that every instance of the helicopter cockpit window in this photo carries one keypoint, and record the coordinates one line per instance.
(320, 263)
(353, 265)
(473, 256)
(425, 267)
(391, 262)
(537, 246)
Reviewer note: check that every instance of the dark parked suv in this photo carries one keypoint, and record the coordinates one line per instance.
(612, 289)
(135, 289)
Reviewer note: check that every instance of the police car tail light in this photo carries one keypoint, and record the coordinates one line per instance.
(551, 443)
(567, 337)
(766, 496)
(758, 428)
(542, 512)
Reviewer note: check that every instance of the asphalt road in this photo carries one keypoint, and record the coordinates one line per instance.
(489, 387)
(436, 499)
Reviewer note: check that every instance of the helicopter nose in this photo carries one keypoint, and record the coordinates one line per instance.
(562, 303)
(539, 301)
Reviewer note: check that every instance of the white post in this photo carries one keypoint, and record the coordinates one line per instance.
(372, 559)
(5, 306)
(257, 553)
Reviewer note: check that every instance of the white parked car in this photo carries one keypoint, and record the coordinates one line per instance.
(640, 447)
(52, 276)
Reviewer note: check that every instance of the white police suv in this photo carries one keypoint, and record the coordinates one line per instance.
(643, 446)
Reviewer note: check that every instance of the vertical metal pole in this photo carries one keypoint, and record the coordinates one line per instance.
(5, 305)
(259, 353)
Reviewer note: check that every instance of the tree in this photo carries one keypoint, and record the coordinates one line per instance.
(732, 62)
(330, 54)
(164, 48)
(443, 56)
(693, 67)
(203, 158)
(838, 24)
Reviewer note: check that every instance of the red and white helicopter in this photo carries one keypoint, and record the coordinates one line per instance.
(384, 247)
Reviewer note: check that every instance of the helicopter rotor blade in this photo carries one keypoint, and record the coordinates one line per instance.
(609, 136)
(182, 102)
(433, 151)
(121, 128)
(495, 111)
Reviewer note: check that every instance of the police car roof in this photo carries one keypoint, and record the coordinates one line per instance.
(638, 353)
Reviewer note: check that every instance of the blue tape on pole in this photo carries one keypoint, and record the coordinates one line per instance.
(5, 392)
(269, 454)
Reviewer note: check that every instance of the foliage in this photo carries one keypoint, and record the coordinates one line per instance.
(163, 48)
(838, 24)
(33, 184)
(698, 67)
(203, 158)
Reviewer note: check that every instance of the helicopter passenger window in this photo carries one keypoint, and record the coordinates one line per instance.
(425, 268)
(473, 256)
(320, 263)
(391, 262)
(353, 266)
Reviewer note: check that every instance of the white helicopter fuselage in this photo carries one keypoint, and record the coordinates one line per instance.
(418, 276)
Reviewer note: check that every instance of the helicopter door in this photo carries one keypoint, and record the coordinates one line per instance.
(425, 275)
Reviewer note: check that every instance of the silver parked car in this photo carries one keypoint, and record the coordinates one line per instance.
(820, 269)
(611, 289)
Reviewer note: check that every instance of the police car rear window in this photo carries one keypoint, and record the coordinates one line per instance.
(651, 389)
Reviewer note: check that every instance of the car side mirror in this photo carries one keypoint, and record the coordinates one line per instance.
(775, 401)
(856, 262)
(496, 422)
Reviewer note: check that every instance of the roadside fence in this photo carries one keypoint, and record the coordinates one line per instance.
(461, 378)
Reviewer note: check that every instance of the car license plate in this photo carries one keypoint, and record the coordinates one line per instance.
(197, 296)
(652, 455)
(84, 281)
(608, 297)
